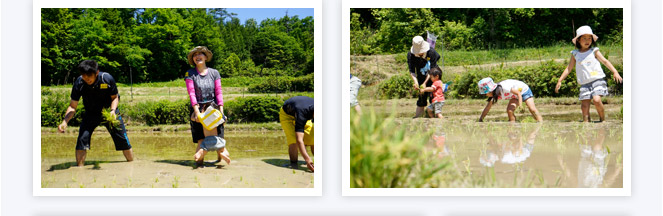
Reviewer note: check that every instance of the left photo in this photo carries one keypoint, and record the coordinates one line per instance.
(176, 98)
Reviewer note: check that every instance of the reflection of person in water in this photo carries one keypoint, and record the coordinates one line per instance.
(512, 153)
(440, 139)
(592, 166)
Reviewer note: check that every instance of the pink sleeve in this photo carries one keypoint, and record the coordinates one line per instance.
(219, 92)
(192, 91)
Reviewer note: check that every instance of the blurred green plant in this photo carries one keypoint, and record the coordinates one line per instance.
(384, 155)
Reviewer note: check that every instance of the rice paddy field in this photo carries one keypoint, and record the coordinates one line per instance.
(390, 148)
(164, 153)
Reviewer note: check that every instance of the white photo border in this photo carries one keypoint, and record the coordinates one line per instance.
(345, 101)
(316, 5)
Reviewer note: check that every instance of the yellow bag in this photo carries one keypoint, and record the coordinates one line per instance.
(211, 118)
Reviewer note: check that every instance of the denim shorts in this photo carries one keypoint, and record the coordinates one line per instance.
(213, 143)
(528, 94)
(436, 106)
(595, 88)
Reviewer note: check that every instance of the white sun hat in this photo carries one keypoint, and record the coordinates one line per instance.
(419, 45)
(583, 30)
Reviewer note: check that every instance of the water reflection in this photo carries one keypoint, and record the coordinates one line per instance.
(567, 154)
(593, 164)
(512, 151)
(440, 139)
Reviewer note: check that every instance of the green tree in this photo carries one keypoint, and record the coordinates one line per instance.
(167, 35)
(56, 62)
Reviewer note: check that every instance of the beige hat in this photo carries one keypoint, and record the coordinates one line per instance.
(583, 30)
(419, 45)
(202, 49)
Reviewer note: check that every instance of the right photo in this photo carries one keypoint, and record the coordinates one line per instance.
(487, 98)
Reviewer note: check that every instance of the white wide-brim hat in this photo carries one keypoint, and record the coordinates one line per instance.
(419, 45)
(583, 30)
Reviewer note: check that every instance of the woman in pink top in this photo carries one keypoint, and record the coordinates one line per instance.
(204, 87)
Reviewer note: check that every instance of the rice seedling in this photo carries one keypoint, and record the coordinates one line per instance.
(176, 182)
(108, 119)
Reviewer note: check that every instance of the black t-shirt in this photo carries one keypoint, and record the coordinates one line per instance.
(415, 63)
(301, 107)
(96, 96)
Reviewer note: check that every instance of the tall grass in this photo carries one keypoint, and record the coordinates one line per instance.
(384, 155)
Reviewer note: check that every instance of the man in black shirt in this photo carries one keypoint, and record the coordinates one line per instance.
(296, 118)
(99, 91)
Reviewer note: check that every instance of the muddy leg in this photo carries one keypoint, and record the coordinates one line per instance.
(596, 100)
(533, 110)
(198, 149)
(128, 154)
(420, 111)
(584, 106)
(80, 157)
(293, 153)
(510, 108)
(430, 113)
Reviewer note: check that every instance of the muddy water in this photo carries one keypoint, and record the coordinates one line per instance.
(165, 159)
(552, 154)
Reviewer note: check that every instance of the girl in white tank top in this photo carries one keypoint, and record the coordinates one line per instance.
(590, 76)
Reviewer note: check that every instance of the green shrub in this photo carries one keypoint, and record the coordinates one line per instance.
(398, 86)
(541, 79)
(160, 112)
(302, 83)
(249, 109)
(280, 84)
(53, 107)
(253, 109)
(384, 155)
(242, 81)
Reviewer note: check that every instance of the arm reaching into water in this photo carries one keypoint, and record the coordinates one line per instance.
(302, 150)
(71, 111)
(485, 110)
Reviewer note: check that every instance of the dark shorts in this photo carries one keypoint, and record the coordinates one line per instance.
(425, 98)
(90, 122)
(197, 132)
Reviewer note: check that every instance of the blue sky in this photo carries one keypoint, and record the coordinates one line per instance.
(260, 14)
